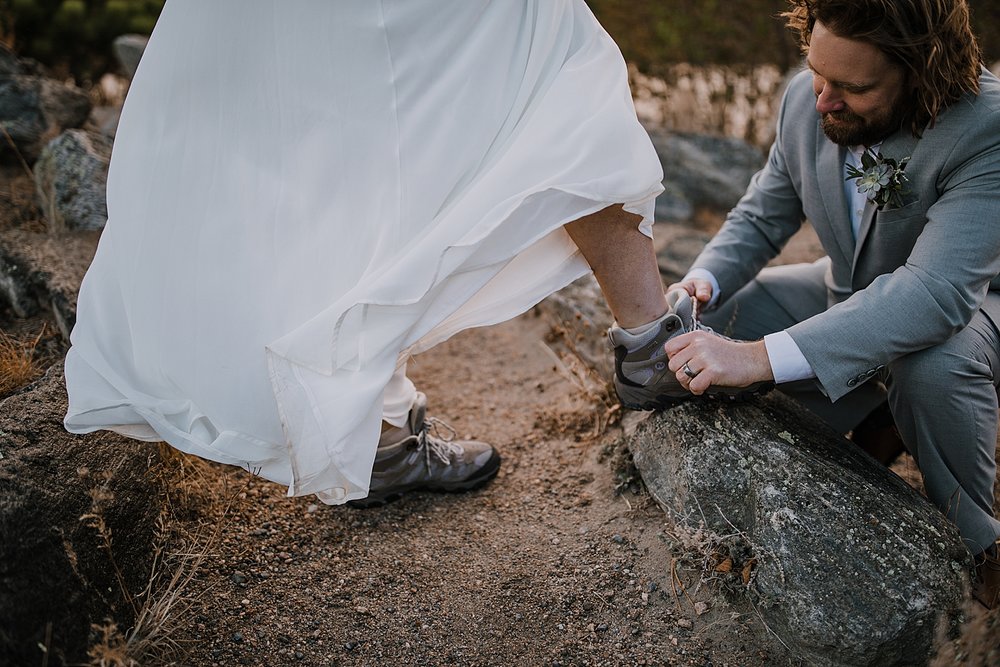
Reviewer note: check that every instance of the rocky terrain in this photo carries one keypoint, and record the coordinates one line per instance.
(117, 553)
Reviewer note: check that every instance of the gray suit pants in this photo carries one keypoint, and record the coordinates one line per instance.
(943, 399)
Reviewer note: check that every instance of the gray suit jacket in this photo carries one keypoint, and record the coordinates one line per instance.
(917, 274)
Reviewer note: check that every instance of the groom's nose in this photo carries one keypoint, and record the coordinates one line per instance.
(828, 97)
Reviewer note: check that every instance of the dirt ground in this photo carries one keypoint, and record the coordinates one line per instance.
(547, 565)
(561, 560)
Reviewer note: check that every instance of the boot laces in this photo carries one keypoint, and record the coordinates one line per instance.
(436, 439)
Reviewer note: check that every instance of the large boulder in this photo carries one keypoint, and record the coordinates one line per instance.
(71, 178)
(34, 108)
(702, 172)
(58, 575)
(846, 563)
(850, 565)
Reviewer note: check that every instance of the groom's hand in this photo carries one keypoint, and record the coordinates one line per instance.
(717, 361)
(697, 287)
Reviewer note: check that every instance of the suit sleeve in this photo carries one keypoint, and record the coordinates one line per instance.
(759, 226)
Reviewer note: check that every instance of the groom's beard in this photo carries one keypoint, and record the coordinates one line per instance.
(847, 128)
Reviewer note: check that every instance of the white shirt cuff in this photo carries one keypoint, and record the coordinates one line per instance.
(705, 274)
(787, 362)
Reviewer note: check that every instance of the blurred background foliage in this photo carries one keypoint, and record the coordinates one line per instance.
(73, 37)
(656, 33)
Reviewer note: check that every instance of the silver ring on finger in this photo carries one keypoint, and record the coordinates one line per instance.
(690, 373)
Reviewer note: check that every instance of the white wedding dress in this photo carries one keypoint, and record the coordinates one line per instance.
(305, 192)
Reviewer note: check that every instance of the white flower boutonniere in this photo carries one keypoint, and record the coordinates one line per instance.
(880, 179)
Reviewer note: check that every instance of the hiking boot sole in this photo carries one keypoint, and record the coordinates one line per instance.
(641, 398)
(480, 479)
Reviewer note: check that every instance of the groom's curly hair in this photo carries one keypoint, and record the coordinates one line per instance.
(931, 39)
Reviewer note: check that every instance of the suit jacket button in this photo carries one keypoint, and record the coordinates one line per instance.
(852, 382)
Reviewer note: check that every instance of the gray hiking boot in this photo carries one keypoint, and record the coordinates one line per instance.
(411, 459)
(643, 380)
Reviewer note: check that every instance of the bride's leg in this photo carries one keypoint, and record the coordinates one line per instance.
(624, 263)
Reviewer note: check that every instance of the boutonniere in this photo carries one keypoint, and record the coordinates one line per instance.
(880, 179)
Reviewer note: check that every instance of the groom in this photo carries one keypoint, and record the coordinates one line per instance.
(890, 146)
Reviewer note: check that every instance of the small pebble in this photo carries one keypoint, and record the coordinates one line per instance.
(239, 578)
(618, 539)
(238, 637)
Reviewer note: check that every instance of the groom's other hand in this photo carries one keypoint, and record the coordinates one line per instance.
(699, 288)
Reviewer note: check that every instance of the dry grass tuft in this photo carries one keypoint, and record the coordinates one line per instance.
(110, 650)
(571, 364)
(20, 362)
(724, 561)
(166, 605)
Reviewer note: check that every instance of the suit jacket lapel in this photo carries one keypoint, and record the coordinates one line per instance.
(831, 175)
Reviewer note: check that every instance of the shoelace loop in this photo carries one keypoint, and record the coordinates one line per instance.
(438, 444)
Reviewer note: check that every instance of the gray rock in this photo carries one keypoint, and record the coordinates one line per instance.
(57, 576)
(19, 284)
(104, 121)
(128, 49)
(853, 566)
(702, 172)
(676, 248)
(33, 108)
(11, 64)
(71, 180)
(673, 203)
